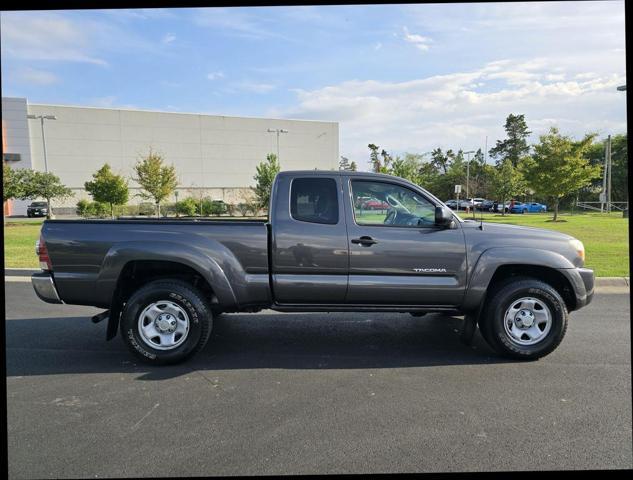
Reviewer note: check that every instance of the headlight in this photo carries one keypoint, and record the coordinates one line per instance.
(579, 247)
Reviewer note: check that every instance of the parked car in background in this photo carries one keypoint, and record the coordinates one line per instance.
(374, 204)
(485, 206)
(37, 209)
(452, 204)
(532, 207)
(502, 207)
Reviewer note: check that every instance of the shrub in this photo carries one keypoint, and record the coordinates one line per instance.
(187, 207)
(146, 208)
(245, 208)
(89, 209)
(213, 207)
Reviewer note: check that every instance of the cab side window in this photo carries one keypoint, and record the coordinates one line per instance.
(314, 200)
(391, 205)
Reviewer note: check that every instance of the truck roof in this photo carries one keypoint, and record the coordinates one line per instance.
(335, 173)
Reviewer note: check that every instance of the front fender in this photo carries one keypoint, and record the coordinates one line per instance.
(490, 260)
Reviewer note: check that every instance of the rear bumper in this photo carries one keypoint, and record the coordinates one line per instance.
(44, 287)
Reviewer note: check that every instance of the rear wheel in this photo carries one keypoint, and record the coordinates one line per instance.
(526, 319)
(166, 322)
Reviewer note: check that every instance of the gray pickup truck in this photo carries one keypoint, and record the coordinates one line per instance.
(162, 281)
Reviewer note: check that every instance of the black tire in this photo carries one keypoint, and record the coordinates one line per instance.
(185, 296)
(492, 326)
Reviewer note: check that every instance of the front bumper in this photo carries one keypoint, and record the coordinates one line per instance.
(44, 287)
(582, 280)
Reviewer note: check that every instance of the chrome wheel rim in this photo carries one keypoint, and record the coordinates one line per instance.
(163, 325)
(527, 321)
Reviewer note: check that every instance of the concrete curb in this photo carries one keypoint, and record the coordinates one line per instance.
(613, 281)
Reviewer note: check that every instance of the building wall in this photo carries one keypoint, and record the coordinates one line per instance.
(15, 140)
(213, 155)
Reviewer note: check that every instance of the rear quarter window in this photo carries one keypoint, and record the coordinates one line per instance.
(314, 200)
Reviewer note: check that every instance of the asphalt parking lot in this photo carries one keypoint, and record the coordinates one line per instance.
(310, 394)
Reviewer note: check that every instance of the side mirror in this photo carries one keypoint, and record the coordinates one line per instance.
(443, 216)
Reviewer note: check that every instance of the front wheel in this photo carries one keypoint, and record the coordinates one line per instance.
(166, 322)
(525, 319)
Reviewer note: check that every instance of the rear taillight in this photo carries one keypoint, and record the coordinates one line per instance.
(42, 252)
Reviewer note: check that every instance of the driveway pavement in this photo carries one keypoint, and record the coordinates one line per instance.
(312, 393)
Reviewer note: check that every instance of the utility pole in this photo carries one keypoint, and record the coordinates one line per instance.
(468, 177)
(42, 118)
(603, 194)
(609, 175)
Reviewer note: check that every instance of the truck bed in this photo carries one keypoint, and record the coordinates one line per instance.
(89, 255)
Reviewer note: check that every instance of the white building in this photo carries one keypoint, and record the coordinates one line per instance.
(214, 156)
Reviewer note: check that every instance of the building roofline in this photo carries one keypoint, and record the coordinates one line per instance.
(177, 113)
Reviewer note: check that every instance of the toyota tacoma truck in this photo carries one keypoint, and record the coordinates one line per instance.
(161, 282)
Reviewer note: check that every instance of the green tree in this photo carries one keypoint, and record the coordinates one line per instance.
(43, 185)
(266, 172)
(12, 182)
(344, 164)
(107, 187)
(440, 160)
(379, 165)
(507, 182)
(407, 167)
(619, 165)
(559, 166)
(515, 147)
(156, 180)
(353, 167)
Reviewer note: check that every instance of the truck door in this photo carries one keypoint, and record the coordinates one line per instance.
(398, 256)
(309, 240)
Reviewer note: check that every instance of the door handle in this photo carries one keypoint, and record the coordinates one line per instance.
(364, 240)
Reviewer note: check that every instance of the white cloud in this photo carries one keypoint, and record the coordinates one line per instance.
(215, 75)
(72, 36)
(36, 77)
(451, 111)
(378, 46)
(45, 36)
(419, 41)
(169, 38)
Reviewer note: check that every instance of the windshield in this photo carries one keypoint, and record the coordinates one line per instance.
(38, 204)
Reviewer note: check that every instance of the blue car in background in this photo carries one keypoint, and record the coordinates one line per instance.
(531, 207)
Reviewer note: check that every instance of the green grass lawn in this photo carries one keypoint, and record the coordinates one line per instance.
(605, 238)
(19, 243)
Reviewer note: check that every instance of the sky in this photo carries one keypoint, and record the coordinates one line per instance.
(408, 77)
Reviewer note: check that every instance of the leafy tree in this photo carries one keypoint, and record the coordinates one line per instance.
(12, 182)
(266, 172)
(157, 181)
(107, 187)
(43, 185)
(379, 165)
(619, 165)
(515, 147)
(507, 182)
(407, 168)
(559, 166)
(343, 163)
(440, 160)
(353, 167)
